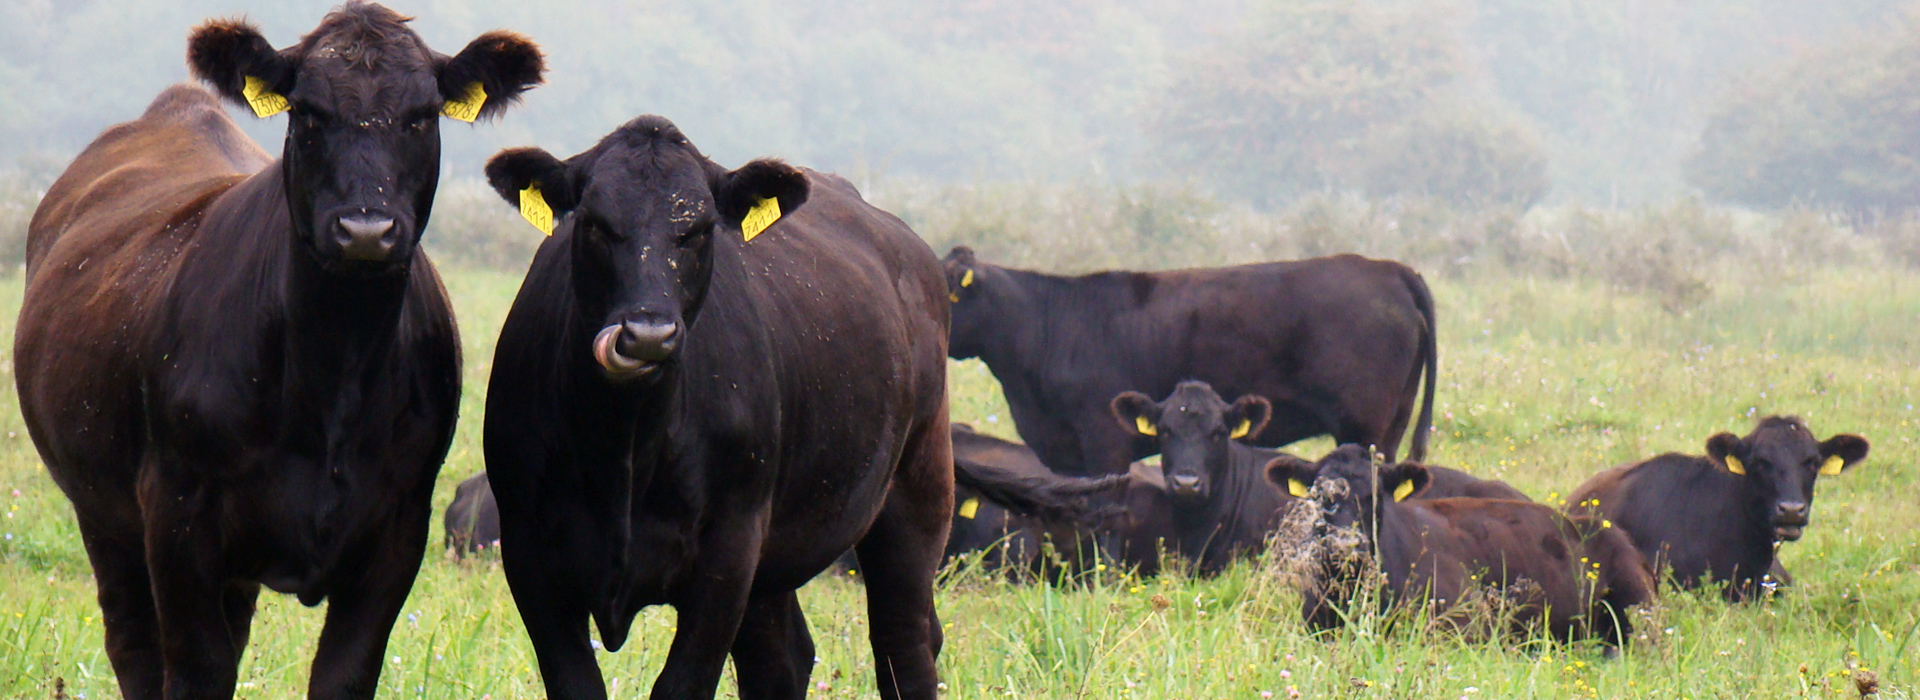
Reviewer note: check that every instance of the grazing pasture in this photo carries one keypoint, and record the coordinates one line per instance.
(1544, 380)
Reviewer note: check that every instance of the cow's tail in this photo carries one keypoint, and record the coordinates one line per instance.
(1430, 358)
(1045, 495)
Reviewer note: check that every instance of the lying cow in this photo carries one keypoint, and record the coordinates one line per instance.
(1008, 507)
(1338, 345)
(473, 518)
(1720, 517)
(712, 383)
(241, 368)
(1209, 499)
(1579, 576)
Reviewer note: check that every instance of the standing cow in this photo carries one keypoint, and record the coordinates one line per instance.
(1723, 516)
(703, 394)
(241, 370)
(1337, 345)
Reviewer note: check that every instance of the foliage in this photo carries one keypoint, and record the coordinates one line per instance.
(1831, 128)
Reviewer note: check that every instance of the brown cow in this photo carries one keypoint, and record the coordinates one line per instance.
(241, 370)
(1722, 517)
(1579, 576)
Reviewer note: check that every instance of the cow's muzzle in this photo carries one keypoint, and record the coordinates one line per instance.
(1789, 520)
(1186, 485)
(635, 349)
(365, 237)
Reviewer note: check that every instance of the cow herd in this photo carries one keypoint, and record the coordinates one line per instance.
(713, 383)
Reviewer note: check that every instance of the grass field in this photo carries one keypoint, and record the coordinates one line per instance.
(1543, 382)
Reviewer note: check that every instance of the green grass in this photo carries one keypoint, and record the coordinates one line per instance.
(1544, 381)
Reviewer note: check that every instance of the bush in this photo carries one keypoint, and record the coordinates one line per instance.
(1323, 97)
(1833, 128)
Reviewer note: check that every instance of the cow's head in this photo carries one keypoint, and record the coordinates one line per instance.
(362, 156)
(1193, 428)
(976, 289)
(1351, 490)
(1779, 462)
(641, 209)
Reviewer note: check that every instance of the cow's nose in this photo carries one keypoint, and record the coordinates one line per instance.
(365, 237)
(1187, 483)
(648, 340)
(1794, 511)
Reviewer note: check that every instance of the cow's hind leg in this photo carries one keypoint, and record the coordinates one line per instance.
(126, 608)
(899, 557)
(773, 651)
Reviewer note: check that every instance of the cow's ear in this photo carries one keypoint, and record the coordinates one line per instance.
(760, 193)
(232, 56)
(536, 182)
(959, 266)
(1726, 450)
(1291, 474)
(1136, 413)
(1404, 480)
(1248, 416)
(490, 74)
(1840, 452)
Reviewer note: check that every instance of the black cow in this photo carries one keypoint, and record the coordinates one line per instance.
(1209, 500)
(1337, 345)
(1580, 575)
(1721, 517)
(241, 370)
(694, 405)
(473, 518)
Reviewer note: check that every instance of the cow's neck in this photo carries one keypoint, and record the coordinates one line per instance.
(1025, 338)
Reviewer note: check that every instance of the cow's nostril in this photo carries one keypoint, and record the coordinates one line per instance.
(648, 341)
(1791, 509)
(365, 238)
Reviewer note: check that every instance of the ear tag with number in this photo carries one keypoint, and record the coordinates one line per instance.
(265, 103)
(759, 218)
(1140, 423)
(467, 107)
(1240, 431)
(1401, 492)
(1832, 466)
(966, 280)
(534, 207)
(1734, 465)
(969, 508)
(1296, 489)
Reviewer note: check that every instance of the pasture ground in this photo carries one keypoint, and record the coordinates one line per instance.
(1543, 382)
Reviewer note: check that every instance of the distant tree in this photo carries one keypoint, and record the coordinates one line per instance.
(1834, 127)
(1318, 96)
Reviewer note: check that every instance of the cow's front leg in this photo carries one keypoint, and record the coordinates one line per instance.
(361, 611)
(710, 602)
(188, 572)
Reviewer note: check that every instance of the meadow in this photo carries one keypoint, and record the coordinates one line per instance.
(1547, 375)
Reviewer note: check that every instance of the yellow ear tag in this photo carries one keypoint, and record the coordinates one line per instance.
(534, 207)
(1401, 492)
(969, 508)
(265, 103)
(1832, 466)
(467, 108)
(1734, 465)
(1140, 423)
(759, 218)
(1246, 426)
(966, 280)
(1296, 489)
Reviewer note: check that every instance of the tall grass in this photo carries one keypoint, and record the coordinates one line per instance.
(1554, 365)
